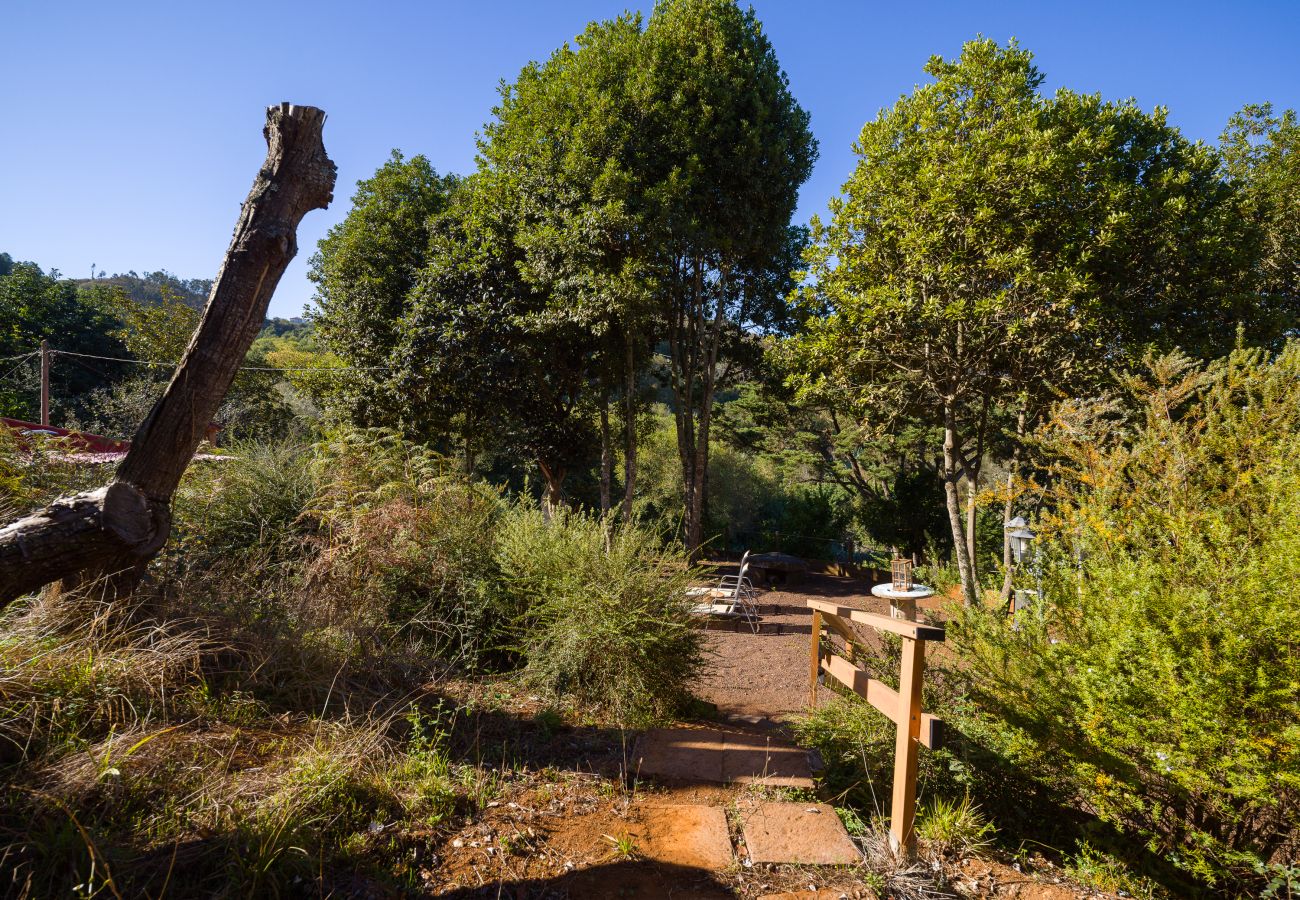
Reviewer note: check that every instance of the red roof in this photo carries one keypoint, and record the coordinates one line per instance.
(77, 440)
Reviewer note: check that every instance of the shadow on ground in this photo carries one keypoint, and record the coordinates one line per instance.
(623, 878)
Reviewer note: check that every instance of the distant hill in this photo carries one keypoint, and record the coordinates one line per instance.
(149, 287)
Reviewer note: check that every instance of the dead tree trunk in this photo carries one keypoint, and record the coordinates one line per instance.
(123, 524)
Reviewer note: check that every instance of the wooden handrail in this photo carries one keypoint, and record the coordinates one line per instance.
(903, 706)
(903, 627)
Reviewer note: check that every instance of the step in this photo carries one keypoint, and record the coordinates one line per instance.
(801, 833)
(721, 756)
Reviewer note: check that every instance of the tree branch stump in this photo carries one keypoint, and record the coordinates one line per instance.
(122, 525)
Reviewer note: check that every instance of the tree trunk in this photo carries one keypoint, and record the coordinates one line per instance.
(606, 457)
(629, 433)
(553, 498)
(705, 340)
(972, 515)
(1008, 506)
(119, 527)
(951, 476)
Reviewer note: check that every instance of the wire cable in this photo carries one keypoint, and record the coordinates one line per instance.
(20, 364)
(172, 365)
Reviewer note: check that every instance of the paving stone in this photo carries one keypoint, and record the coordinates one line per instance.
(722, 756)
(752, 758)
(688, 754)
(805, 833)
(684, 835)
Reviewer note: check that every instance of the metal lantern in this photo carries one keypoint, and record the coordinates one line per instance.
(1020, 536)
(900, 571)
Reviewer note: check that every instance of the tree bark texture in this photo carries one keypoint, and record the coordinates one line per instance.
(952, 472)
(123, 524)
(606, 457)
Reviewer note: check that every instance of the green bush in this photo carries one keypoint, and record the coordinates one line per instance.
(407, 547)
(1159, 683)
(253, 506)
(603, 614)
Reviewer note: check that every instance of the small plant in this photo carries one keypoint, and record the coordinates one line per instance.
(853, 823)
(954, 827)
(1283, 881)
(624, 845)
(1104, 872)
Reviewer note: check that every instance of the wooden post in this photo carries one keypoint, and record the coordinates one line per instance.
(902, 813)
(45, 383)
(816, 655)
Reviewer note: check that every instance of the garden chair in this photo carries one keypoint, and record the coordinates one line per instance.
(732, 596)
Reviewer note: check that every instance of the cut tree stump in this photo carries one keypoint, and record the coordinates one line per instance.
(122, 525)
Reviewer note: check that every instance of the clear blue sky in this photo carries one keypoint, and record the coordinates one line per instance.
(131, 131)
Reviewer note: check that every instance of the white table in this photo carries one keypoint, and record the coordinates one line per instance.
(902, 604)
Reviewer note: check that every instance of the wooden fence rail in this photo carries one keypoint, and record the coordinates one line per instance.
(902, 706)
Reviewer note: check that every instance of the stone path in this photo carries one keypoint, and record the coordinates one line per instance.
(772, 832)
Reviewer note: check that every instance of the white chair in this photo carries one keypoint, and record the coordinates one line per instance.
(733, 596)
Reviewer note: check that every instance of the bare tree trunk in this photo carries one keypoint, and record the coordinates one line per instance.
(972, 515)
(553, 499)
(1008, 508)
(120, 526)
(629, 433)
(951, 476)
(606, 457)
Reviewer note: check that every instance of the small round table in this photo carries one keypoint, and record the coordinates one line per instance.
(902, 604)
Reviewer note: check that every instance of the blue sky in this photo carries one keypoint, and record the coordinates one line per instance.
(131, 131)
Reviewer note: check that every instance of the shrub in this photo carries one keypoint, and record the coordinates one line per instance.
(603, 614)
(407, 546)
(1158, 683)
(251, 507)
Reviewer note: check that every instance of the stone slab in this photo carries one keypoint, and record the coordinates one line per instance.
(686, 754)
(804, 833)
(757, 758)
(683, 835)
(721, 757)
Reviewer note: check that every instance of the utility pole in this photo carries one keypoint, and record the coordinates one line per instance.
(45, 383)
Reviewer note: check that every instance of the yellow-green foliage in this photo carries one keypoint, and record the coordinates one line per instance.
(603, 613)
(1160, 682)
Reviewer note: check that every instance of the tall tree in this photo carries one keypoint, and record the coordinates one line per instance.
(365, 266)
(1261, 154)
(480, 351)
(994, 245)
(561, 159)
(727, 148)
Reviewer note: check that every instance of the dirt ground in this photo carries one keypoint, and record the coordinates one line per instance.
(556, 830)
(765, 675)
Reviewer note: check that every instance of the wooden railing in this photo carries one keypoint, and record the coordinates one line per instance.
(902, 706)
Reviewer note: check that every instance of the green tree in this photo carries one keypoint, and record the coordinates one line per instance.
(994, 246)
(481, 354)
(35, 306)
(727, 148)
(365, 266)
(1261, 154)
(560, 159)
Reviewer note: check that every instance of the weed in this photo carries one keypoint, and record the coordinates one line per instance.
(623, 846)
(1104, 872)
(954, 827)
